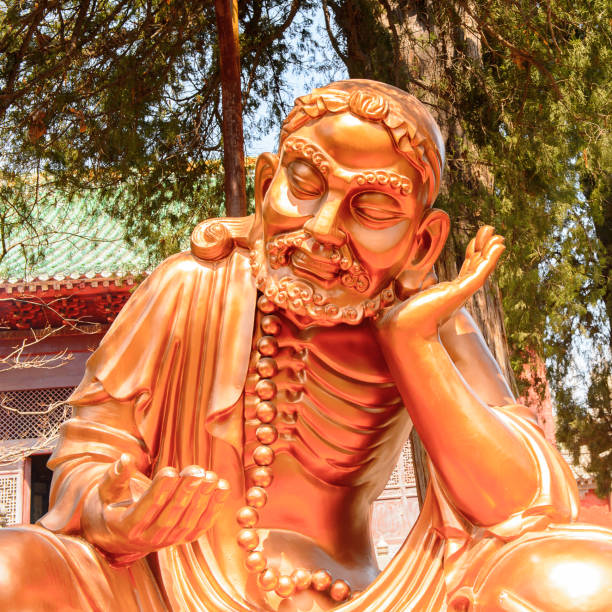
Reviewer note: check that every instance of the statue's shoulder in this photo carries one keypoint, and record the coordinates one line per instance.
(215, 239)
(213, 242)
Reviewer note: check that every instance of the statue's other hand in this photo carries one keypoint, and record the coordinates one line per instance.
(173, 508)
(421, 314)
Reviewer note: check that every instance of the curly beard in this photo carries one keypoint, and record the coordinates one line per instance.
(305, 302)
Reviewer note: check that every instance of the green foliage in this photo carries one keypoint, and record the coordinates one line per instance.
(123, 98)
(522, 91)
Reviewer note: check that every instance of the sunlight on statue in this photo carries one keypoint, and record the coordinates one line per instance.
(249, 404)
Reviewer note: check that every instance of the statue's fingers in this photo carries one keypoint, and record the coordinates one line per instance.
(497, 239)
(469, 251)
(170, 516)
(485, 267)
(484, 233)
(193, 513)
(145, 510)
(479, 271)
(114, 485)
(492, 257)
(216, 504)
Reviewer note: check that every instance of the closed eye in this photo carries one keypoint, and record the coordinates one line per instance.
(376, 209)
(305, 182)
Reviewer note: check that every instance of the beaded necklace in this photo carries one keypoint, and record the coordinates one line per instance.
(266, 433)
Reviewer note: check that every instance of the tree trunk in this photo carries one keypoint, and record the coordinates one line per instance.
(404, 46)
(233, 138)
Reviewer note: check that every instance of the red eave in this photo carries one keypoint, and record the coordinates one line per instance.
(52, 302)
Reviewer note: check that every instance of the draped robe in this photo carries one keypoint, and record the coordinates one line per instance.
(175, 362)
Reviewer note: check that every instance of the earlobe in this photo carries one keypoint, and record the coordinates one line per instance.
(428, 244)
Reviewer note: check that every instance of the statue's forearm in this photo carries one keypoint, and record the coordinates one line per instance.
(476, 454)
(91, 442)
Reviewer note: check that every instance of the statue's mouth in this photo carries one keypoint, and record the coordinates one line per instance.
(309, 265)
(321, 263)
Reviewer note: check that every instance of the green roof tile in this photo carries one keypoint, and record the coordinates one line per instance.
(75, 238)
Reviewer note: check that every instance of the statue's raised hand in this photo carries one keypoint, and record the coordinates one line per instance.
(129, 516)
(422, 314)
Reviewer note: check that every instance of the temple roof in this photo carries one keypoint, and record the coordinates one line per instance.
(77, 240)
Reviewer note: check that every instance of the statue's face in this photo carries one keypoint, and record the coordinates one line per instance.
(341, 213)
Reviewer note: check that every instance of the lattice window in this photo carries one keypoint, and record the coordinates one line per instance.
(10, 498)
(34, 413)
(407, 464)
(403, 473)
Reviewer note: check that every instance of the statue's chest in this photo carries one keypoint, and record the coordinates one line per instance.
(326, 392)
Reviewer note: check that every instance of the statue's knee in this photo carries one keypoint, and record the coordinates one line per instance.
(32, 573)
(18, 548)
(561, 572)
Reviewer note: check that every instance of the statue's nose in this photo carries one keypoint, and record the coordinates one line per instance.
(323, 227)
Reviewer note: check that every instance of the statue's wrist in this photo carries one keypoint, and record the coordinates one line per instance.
(96, 525)
(407, 340)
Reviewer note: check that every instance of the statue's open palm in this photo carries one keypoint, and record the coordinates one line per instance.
(421, 315)
(173, 508)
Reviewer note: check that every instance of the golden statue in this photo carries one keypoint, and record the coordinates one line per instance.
(250, 401)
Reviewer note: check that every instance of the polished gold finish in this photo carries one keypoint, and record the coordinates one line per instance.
(266, 412)
(321, 580)
(256, 497)
(339, 590)
(267, 580)
(256, 562)
(247, 517)
(302, 579)
(241, 415)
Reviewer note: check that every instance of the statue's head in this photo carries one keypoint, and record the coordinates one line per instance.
(343, 212)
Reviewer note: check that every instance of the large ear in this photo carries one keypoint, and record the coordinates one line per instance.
(267, 164)
(428, 244)
(265, 169)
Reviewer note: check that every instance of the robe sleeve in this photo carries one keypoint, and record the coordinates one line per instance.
(166, 378)
(556, 499)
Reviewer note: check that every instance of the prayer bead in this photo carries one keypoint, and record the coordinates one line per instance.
(265, 389)
(248, 539)
(302, 579)
(266, 412)
(285, 587)
(262, 476)
(256, 562)
(247, 517)
(265, 305)
(268, 579)
(267, 367)
(256, 497)
(266, 434)
(340, 591)
(271, 324)
(267, 346)
(263, 455)
(321, 580)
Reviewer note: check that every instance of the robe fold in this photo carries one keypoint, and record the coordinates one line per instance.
(174, 364)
